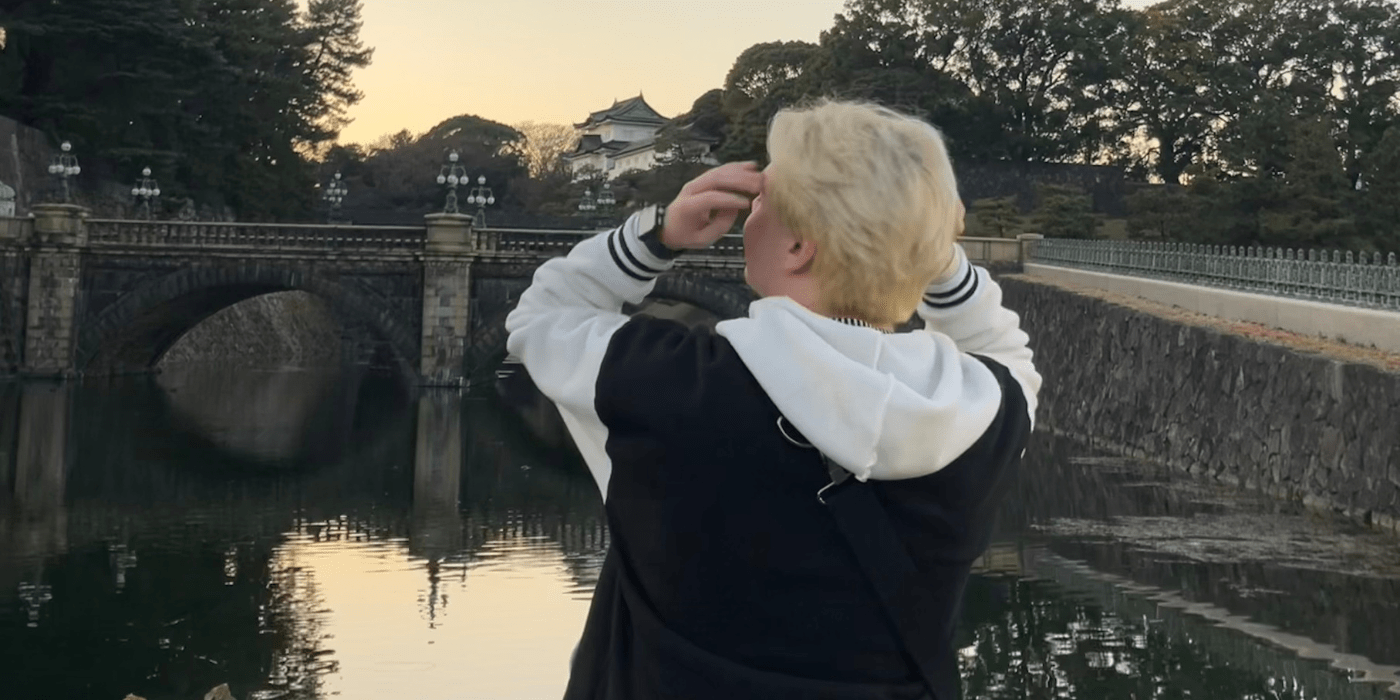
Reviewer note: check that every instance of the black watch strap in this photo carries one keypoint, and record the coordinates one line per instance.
(653, 221)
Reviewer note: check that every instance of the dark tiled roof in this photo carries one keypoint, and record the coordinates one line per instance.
(634, 146)
(695, 134)
(634, 110)
(589, 143)
(594, 144)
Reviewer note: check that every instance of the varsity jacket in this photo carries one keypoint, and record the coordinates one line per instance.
(726, 577)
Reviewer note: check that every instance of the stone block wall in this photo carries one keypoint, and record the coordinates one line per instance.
(1215, 404)
(446, 319)
(283, 329)
(49, 325)
(14, 295)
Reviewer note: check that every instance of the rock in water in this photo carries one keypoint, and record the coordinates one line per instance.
(129, 696)
(220, 693)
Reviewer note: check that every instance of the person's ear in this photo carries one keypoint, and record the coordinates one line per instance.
(800, 256)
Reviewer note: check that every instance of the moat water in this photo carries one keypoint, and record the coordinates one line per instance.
(329, 535)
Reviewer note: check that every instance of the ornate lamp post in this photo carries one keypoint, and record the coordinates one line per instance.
(65, 165)
(481, 195)
(145, 190)
(604, 201)
(334, 195)
(452, 175)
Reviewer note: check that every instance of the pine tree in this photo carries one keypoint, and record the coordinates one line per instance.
(999, 217)
(1309, 206)
(1065, 212)
(1164, 212)
(1380, 200)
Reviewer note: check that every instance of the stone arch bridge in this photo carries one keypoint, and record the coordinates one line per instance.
(82, 296)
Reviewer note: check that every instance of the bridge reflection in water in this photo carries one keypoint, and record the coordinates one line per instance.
(308, 535)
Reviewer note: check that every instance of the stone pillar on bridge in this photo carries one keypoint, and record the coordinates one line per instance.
(55, 269)
(447, 293)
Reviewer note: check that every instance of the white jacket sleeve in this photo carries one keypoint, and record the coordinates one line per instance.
(565, 320)
(966, 307)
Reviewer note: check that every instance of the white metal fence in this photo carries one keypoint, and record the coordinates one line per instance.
(1366, 280)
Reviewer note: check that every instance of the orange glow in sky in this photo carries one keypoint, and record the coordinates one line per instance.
(557, 60)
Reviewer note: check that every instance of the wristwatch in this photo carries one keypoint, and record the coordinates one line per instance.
(651, 221)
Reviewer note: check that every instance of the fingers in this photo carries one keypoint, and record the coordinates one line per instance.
(744, 178)
(718, 200)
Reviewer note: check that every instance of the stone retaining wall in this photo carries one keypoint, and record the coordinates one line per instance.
(14, 295)
(285, 329)
(1216, 404)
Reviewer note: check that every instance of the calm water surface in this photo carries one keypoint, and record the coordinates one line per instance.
(317, 535)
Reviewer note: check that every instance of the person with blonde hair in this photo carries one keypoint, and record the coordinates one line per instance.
(794, 498)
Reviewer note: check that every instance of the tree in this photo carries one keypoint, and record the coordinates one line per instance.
(872, 53)
(706, 120)
(1158, 98)
(659, 185)
(1311, 205)
(402, 169)
(1380, 201)
(64, 79)
(546, 188)
(331, 31)
(1000, 217)
(1355, 55)
(763, 80)
(1033, 70)
(1164, 212)
(225, 99)
(542, 146)
(1064, 212)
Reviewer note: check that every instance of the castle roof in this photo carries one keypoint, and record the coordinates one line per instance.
(630, 111)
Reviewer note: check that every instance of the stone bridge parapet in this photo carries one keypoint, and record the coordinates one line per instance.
(101, 296)
(80, 295)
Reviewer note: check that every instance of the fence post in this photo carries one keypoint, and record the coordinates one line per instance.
(1027, 243)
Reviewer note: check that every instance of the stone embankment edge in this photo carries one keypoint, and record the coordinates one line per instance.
(1358, 326)
(1139, 381)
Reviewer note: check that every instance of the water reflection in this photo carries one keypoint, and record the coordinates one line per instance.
(33, 519)
(1330, 581)
(267, 416)
(354, 541)
(167, 546)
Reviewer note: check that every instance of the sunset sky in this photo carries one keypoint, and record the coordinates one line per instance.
(558, 60)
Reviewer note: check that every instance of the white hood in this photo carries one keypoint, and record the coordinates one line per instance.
(883, 406)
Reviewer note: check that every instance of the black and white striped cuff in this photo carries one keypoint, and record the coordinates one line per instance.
(631, 254)
(962, 287)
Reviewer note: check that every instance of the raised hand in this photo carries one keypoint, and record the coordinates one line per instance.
(708, 206)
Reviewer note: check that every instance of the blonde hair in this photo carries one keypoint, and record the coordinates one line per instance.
(875, 191)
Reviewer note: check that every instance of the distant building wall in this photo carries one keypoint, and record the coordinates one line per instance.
(645, 160)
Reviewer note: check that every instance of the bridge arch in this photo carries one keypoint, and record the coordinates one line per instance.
(136, 330)
(487, 347)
